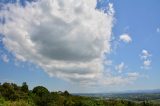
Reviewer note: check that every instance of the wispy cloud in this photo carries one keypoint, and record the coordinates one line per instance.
(146, 64)
(145, 56)
(5, 58)
(133, 74)
(120, 67)
(158, 30)
(125, 38)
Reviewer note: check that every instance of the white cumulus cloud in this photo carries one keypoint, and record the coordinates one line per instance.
(145, 56)
(125, 38)
(120, 67)
(5, 58)
(66, 38)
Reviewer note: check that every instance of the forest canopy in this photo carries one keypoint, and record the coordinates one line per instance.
(13, 95)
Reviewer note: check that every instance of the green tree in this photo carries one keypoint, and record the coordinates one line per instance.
(24, 87)
(8, 92)
(41, 96)
(40, 91)
(66, 93)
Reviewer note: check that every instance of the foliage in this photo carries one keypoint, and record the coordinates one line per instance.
(13, 95)
(24, 87)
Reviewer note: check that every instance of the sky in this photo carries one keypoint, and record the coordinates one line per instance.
(83, 46)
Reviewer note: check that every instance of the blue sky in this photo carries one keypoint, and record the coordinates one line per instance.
(133, 57)
(140, 19)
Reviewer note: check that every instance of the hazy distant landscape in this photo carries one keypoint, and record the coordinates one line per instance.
(137, 96)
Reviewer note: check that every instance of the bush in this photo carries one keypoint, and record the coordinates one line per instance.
(2, 101)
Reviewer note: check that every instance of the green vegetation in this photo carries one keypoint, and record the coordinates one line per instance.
(13, 95)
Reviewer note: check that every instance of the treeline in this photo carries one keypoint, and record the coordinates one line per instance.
(14, 95)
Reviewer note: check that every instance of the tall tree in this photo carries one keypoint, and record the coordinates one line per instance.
(24, 87)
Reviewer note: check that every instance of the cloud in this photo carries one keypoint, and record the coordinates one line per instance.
(145, 56)
(5, 58)
(125, 38)
(158, 30)
(107, 62)
(67, 39)
(120, 67)
(134, 74)
(120, 80)
(146, 64)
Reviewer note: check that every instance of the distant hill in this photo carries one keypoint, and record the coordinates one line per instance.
(120, 92)
(130, 94)
(143, 91)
